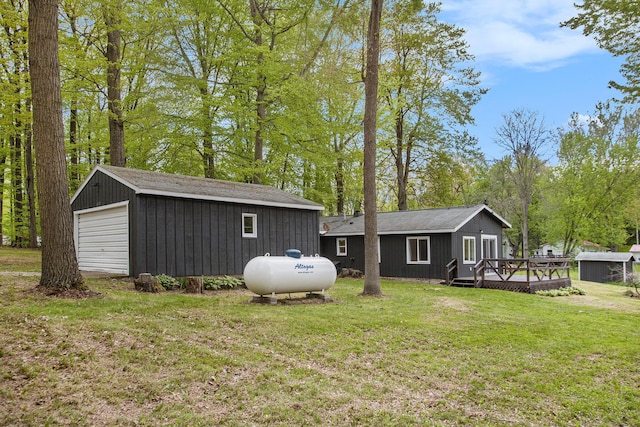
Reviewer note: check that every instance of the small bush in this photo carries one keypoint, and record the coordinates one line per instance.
(562, 292)
(168, 282)
(224, 282)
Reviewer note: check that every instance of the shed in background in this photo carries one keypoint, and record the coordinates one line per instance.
(129, 221)
(604, 267)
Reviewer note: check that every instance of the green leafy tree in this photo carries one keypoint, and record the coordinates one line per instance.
(615, 26)
(428, 90)
(595, 179)
(525, 137)
(15, 127)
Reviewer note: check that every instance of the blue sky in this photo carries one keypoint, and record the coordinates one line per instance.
(528, 61)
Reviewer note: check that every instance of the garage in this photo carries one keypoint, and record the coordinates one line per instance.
(102, 238)
(130, 221)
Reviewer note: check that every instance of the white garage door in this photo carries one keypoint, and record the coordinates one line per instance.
(102, 239)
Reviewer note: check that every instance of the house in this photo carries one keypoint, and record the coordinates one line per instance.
(417, 244)
(635, 249)
(129, 221)
(555, 250)
(605, 267)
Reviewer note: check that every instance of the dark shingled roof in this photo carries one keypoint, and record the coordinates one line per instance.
(191, 187)
(605, 256)
(440, 220)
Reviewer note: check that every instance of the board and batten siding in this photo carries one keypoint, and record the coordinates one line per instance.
(393, 255)
(106, 193)
(481, 225)
(603, 271)
(182, 237)
(393, 252)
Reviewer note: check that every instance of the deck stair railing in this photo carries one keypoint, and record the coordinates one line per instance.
(451, 271)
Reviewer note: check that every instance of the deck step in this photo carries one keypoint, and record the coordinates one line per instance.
(462, 282)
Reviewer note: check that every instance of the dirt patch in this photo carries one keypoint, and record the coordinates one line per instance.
(63, 293)
(454, 304)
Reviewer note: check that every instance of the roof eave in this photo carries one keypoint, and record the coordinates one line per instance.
(256, 202)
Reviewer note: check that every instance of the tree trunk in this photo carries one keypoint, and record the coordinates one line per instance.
(59, 264)
(31, 182)
(339, 177)
(74, 176)
(3, 163)
(114, 97)
(261, 91)
(525, 229)
(400, 168)
(261, 110)
(372, 268)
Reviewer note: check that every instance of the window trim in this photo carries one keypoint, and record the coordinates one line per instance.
(254, 225)
(338, 246)
(418, 239)
(465, 240)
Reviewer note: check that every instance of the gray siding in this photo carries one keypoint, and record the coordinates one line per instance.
(393, 250)
(102, 190)
(603, 271)
(482, 225)
(393, 255)
(182, 237)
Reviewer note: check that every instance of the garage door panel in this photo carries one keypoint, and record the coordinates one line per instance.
(103, 240)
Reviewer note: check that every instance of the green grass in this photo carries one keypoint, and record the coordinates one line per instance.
(423, 355)
(26, 260)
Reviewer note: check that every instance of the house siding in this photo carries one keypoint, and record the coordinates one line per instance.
(480, 225)
(393, 255)
(603, 271)
(102, 190)
(181, 237)
(444, 246)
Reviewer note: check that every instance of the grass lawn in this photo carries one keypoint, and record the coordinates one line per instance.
(423, 355)
(12, 259)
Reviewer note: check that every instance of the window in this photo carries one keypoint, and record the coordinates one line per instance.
(249, 225)
(341, 246)
(468, 250)
(418, 250)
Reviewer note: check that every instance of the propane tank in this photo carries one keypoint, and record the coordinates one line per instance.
(293, 273)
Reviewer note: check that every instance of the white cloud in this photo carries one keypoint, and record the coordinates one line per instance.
(519, 33)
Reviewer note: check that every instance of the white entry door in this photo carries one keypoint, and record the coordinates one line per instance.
(489, 246)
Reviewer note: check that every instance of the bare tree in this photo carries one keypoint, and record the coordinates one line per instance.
(525, 136)
(372, 269)
(60, 270)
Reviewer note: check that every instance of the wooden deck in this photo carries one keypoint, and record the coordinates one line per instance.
(517, 275)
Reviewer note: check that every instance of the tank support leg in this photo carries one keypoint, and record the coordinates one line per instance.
(265, 300)
(321, 296)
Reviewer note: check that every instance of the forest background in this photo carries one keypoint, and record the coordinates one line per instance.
(272, 92)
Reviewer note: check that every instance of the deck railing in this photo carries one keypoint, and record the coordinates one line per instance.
(451, 270)
(534, 269)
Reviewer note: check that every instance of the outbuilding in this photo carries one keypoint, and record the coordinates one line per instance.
(419, 243)
(604, 267)
(129, 221)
